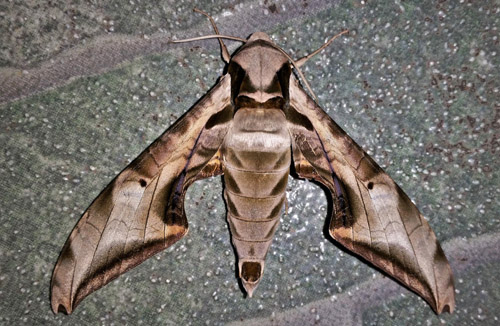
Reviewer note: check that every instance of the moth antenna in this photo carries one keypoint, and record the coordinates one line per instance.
(299, 72)
(206, 37)
(225, 53)
(303, 60)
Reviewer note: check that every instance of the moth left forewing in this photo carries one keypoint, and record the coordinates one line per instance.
(380, 223)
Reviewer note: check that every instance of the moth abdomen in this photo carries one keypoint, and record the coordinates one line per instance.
(256, 154)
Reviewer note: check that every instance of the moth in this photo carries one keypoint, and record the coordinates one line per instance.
(253, 127)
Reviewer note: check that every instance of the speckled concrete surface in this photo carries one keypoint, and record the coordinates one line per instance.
(86, 87)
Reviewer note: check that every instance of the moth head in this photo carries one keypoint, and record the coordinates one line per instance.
(260, 73)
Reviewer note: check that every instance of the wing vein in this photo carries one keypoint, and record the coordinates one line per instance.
(129, 228)
(88, 271)
(366, 215)
(149, 208)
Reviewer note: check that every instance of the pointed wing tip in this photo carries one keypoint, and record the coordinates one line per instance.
(58, 307)
(343, 236)
(447, 306)
(441, 299)
(61, 301)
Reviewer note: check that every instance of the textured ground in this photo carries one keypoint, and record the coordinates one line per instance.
(85, 87)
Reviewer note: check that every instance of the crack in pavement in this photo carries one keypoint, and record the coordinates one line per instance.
(105, 52)
(347, 308)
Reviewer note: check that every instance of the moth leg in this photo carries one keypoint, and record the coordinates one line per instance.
(225, 53)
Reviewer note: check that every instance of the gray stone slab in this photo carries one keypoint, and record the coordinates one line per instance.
(415, 83)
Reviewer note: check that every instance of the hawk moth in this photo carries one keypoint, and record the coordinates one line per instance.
(252, 127)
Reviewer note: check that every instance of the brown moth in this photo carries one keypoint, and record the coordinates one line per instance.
(250, 127)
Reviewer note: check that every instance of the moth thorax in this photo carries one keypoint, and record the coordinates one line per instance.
(260, 72)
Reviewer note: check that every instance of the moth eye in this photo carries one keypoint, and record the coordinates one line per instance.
(370, 185)
(143, 183)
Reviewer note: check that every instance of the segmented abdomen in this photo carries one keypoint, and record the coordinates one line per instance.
(256, 155)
